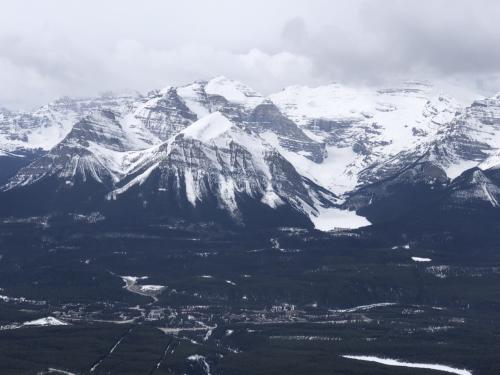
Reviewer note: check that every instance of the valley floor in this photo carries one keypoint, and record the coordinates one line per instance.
(166, 300)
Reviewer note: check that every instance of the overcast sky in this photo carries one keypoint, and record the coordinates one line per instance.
(54, 48)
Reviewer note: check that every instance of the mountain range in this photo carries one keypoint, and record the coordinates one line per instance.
(332, 156)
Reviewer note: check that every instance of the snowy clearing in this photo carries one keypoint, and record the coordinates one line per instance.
(57, 371)
(151, 288)
(44, 322)
(364, 307)
(395, 362)
(334, 218)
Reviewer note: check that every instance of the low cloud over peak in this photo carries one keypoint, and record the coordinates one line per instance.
(85, 47)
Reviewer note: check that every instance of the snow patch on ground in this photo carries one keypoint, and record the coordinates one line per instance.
(52, 370)
(151, 288)
(272, 199)
(395, 362)
(364, 307)
(190, 187)
(335, 218)
(132, 279)
(48, 321)
(138, 180)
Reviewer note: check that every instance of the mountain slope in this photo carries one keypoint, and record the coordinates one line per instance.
(218, 150)
(364, 127)
(48, 125)
(471, 139)
(216, 166)
(81, 168)
(213, 170)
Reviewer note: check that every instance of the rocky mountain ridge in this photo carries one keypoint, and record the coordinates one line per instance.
(220, 145)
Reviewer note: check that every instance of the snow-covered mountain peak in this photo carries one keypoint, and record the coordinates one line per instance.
(217, 161)
(341, 102)
(365, 126)
(163, 91)
(49, 125)
(233, 91)
(209, 127)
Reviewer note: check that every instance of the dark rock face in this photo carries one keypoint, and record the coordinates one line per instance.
(493, 174)
(232, 111)
(102, 128)
(382, 171)
(165, 114)
(338, 132)
(267, 117)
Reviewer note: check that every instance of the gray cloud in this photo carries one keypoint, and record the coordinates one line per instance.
(52, 48)
(439, 39)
